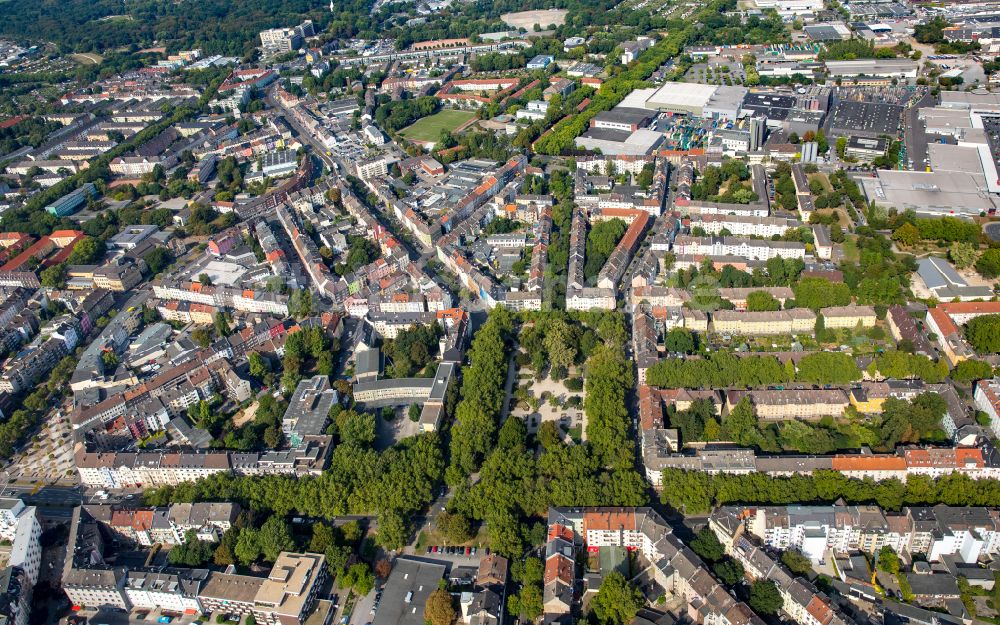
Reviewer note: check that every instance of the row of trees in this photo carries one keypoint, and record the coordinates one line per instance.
(725, 370)
(33, 408)
(696, 492)
(901, 421)
(478, 412)
(564, 133)
(776, 272)
(910, 230)
(516, 486)
(392, 485)
(983, 333)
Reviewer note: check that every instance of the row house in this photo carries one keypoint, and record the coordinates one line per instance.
(738, 246)
(928, 532)
(286, 596)
(245, 300)
(738, 296)
(849, 317)
(735, 322)
(132, 470)
(745, 225)
(981, 461)
(783, 405)
(674, 567)
(802, 601)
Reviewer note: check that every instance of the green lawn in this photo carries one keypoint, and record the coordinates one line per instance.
(851, 251)
(429, 128)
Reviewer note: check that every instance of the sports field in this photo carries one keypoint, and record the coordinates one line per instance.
(429, 128)
(527, 19)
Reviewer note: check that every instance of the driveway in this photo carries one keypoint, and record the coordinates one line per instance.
(915, 134)
(362, 609)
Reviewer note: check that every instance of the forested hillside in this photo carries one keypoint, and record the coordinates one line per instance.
(217, 26)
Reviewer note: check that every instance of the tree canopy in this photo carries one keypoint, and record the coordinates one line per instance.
(983, 333)
(617, 601)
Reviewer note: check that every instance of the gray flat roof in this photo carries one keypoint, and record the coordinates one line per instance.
(625, 115)
(876, 117)
(368, 361)
(440, 383)
(310, 405)
(405, 594)
(929, 192)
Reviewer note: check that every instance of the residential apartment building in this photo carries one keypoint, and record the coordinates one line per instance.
(673, 567)
(167, 525)
(849, 317)
(817, 531)
(744, 323)
(745, 225)
(242, 300)
(590, 298)
(281, 40)
(976, 462)
(784, 405)
(136, 166)
(285, 597)
(802, 602)
(175, 591)
(870, 397)
(151, 469)
(754, 249)
(29, 366)
(738, 296)
(903, 327)
(987, 398)
(15, 596)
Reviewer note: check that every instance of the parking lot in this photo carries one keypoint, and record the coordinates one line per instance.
(991, 125)
(455, 555)
(717, 72)
(49, 456)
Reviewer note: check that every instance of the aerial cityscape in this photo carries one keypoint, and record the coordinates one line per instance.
(441, 312)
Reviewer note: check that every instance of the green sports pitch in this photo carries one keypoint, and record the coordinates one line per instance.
(429, 128)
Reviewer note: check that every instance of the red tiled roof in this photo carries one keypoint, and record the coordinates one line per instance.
(560, 531)
(559, 567)
(960, 308)
(868, 463)
(13, 121)
(611, 519)
(943, 321)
